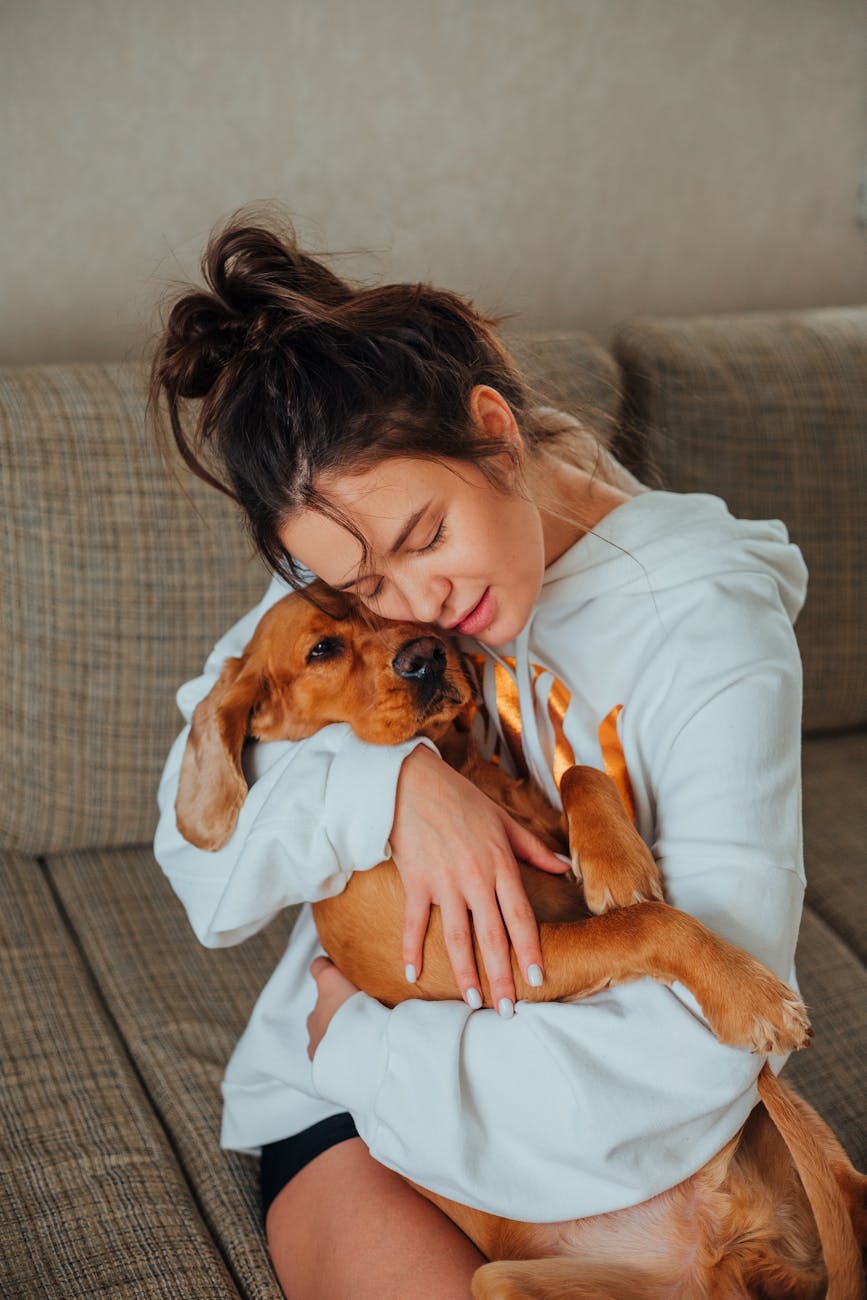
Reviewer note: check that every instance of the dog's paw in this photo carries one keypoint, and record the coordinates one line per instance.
(757, 1011)
(618, 883)
(788, 1030)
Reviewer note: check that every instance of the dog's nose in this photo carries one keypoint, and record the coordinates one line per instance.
(424, 657)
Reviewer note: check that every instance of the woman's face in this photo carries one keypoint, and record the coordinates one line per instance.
(446, 546)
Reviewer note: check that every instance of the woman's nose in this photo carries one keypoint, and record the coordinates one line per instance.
(427, 599)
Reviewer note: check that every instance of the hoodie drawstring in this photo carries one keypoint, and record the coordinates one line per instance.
(509, 712)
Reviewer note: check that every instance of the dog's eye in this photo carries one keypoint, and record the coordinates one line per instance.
(327, 648)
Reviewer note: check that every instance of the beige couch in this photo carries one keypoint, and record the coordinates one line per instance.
(116, 1024)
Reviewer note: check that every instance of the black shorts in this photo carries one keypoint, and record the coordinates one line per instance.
(282, 1160)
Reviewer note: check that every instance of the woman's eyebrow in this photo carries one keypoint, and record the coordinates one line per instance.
(407, 527)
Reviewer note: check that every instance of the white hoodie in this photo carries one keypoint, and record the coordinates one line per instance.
(683, 615)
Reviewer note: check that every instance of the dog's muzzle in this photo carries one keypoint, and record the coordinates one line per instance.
(422, 661)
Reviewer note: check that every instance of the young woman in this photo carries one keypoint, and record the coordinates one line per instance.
(382, 439)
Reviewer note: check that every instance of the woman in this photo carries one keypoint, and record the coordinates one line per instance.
(383, 439)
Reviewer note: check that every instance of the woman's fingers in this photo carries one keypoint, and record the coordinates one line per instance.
(525, 845)
(521, 924)
(459, 945)
(415, 922)
(494, 946)
(502, 919)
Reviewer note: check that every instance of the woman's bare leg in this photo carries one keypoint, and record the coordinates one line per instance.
(347, 1228)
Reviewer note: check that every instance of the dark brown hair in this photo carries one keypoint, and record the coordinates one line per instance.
(298, 373)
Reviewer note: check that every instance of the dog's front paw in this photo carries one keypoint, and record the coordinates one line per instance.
(618, 882)
(786, 1029)
(751, 1008)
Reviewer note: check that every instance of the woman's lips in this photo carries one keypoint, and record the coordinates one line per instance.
(479, 617)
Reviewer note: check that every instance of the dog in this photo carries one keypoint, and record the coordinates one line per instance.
(779, 1211)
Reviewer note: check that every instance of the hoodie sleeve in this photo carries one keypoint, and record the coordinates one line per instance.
(575, 1109)
(316, 810)
(724, 743)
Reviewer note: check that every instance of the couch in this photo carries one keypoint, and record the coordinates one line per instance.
(117, 576)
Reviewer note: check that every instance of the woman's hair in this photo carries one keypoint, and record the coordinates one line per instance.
(300, 374)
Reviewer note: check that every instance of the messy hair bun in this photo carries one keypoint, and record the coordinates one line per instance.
(299, 373)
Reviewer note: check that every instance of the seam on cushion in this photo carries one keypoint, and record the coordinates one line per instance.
(133, 1064)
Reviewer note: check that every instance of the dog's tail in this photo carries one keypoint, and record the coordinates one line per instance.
(824, 1170)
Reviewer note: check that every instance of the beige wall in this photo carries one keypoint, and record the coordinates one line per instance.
(573, 160)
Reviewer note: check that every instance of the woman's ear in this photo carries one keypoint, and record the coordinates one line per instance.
(494, 417)
(212, 786)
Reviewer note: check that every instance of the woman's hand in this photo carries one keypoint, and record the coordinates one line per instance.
(333, 990)
(455, 847)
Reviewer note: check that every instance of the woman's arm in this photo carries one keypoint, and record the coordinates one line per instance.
(727, 781)
(567, 1110)
(316, 811)
(575, 1109)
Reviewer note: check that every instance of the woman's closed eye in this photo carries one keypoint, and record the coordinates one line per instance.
(437, 540)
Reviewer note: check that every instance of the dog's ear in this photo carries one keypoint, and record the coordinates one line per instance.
(212, 786)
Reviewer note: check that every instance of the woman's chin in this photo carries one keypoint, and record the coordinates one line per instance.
(501, 631)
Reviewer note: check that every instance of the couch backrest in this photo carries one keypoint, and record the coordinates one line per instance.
(115, 584)
(114, 590)
(769, 411)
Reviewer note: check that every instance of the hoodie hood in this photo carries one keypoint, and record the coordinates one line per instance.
(652, 544)
(680, 538)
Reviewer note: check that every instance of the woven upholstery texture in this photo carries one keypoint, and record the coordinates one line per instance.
(180, 1008)
(830, 1074)
(769, 411)
(835, 835)
(571, 372)
(117, 582)
(114, 590)
(92, 1200)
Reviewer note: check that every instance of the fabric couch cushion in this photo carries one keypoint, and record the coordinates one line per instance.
(573, 373)
(835, 835)
(769, 411)
(118, 580)
(92, 1200)
(180, 1008)
(830, 1074)
(115, 590)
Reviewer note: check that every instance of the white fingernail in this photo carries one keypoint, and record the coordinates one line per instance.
(534, 975)
(505, 1008)
(411, 973)
(474, 998)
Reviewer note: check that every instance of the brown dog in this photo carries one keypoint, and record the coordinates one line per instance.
(758, 1218)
